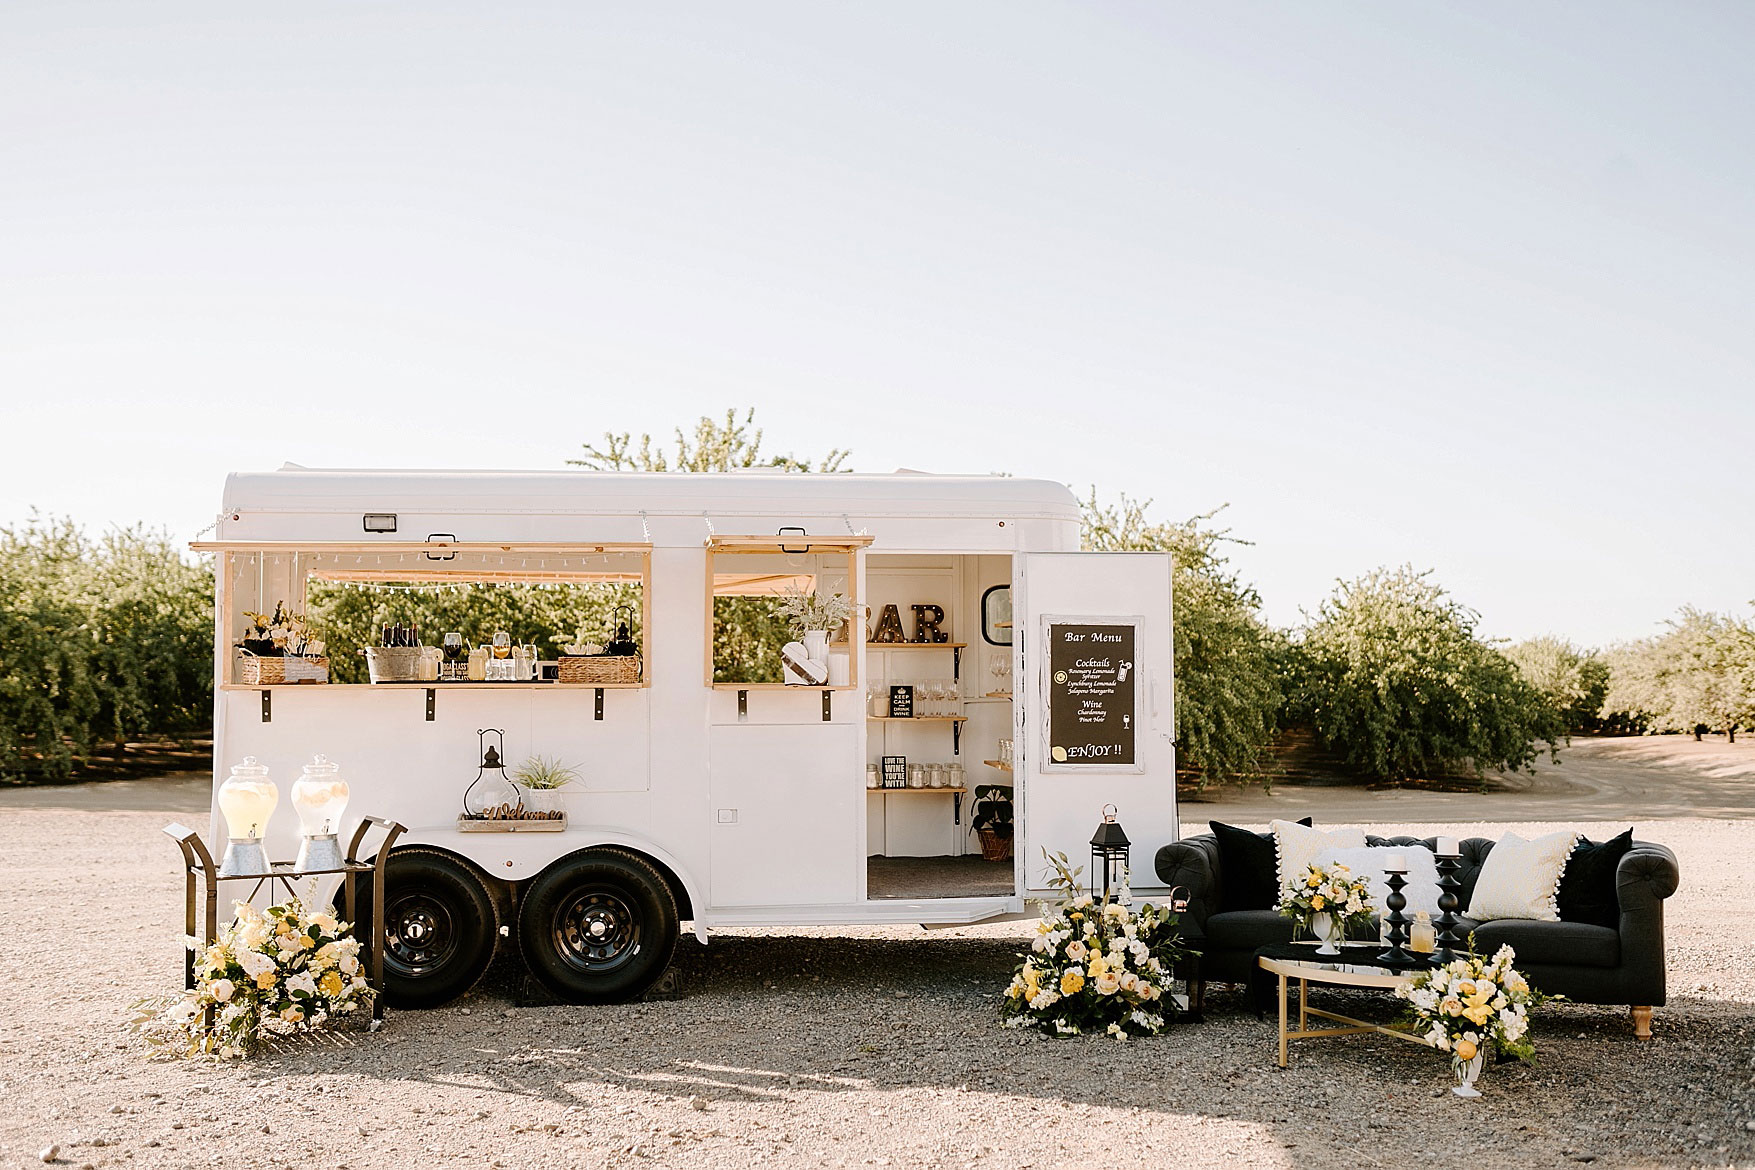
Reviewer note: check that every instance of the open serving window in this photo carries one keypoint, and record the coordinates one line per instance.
(752, 581)
(434, 613)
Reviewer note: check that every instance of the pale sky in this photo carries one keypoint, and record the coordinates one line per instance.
(1467, 286)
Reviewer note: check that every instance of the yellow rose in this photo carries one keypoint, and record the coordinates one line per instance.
(1071, 982)
(1452, 1007)
(1317, 902)
(265, 980)
(1313, 881)
(331, 984)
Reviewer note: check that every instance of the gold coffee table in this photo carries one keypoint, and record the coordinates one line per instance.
(1337, 971)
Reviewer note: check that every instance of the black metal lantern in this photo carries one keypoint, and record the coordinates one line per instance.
(623, 644)
(1109, 846)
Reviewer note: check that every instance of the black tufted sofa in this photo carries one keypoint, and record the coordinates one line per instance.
(1585, 963)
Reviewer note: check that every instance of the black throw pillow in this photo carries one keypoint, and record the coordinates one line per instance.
(1249, 870)
(1587, 888)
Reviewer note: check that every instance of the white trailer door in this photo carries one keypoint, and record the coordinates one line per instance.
(1094, 712)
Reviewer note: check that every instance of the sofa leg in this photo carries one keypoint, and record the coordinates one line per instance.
(1641, 1022)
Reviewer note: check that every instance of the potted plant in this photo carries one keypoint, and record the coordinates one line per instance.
(813, 615)
(541, 778)
(991, 818)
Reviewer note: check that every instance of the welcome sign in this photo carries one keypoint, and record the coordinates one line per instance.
(1092, 685)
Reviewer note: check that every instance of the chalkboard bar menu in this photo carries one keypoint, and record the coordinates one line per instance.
(1091, 689)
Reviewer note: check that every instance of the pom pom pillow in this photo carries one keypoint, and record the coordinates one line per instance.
(1297, 845)
(1521, 879)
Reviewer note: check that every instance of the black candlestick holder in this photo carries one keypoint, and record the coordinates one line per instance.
(1396, 955)
(1448, 886)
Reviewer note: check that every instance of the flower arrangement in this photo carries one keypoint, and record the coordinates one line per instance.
(808, 610)
(280, 635)
(1094, 966)
(1327, 900)
(1471, 1003)
(272, 973)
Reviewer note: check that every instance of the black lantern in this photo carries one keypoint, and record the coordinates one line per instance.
(1108, 854)
(623, 644)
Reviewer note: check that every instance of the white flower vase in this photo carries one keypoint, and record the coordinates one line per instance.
(1466, 1073)
(1326, 927)
(816, 644)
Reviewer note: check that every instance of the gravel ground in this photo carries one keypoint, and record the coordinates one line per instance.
(818, 1048)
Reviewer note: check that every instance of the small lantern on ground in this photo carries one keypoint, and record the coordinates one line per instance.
(320, 795)
(247, 799)
(1109, 848)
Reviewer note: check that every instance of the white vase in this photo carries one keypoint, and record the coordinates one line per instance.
(1466, 1073)
(816, 644)
(1327, 928)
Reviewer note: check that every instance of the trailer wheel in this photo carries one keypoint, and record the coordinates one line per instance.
(440, 927)
(598, 927)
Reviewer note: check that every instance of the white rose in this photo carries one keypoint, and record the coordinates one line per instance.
(222, 989)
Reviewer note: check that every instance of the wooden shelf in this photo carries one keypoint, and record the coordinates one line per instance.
(917, 719)
(998, 695)
(911, 645)
(917, 791)
(725, 686)
(1001, 765)
(436, 686)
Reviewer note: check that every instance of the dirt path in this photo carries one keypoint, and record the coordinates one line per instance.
(1635, 778)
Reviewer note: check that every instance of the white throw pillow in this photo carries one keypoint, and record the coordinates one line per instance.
(1296, 846)
(1520, 878)
(1368, 863)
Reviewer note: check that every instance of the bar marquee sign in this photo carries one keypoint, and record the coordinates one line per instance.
(1092, 690)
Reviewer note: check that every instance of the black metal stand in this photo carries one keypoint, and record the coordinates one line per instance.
(198, 862)
(1397, 922)
(1448, 886)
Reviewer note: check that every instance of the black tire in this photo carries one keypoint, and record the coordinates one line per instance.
(440, 927)
(598, 927)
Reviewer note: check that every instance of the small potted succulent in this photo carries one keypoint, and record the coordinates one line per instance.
(991, 818)
(540, 780)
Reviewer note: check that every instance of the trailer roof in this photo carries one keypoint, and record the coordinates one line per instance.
(760, 492)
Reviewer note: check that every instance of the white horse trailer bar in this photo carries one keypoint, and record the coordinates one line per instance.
(724, 803)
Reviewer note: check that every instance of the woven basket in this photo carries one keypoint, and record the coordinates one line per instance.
(994, 847)
(600, 668)
(393, 663)
(269, 672)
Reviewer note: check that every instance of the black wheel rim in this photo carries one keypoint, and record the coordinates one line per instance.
(596, 931)
(420, 934)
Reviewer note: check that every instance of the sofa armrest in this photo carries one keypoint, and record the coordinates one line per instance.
(1193, 863)
(1647, 875)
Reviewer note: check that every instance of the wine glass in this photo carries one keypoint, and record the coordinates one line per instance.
(453, 647)
(502, 645)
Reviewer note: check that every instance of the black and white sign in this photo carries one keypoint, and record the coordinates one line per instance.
(1092, 688)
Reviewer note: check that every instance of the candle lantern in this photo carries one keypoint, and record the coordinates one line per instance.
(492, 795)
(623, 644)
(319, 795)
(1109, 849)
(246, 800)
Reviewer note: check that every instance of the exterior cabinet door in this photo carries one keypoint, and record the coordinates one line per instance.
(1095, 720)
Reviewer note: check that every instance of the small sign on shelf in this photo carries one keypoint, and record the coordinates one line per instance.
(902, 702)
